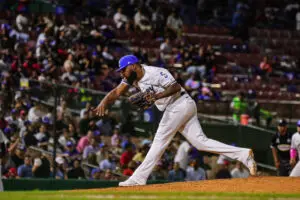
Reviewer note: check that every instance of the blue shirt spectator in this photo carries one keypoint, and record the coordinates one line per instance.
(25, 170)
(176, 174)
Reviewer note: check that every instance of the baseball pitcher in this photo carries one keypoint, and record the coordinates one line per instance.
(158, 86)
(295, 147)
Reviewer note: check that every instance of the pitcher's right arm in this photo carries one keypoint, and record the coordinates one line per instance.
(110, 98)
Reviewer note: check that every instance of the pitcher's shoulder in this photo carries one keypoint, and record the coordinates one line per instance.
(153, 69)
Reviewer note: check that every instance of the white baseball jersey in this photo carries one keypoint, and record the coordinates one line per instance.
(296, 145)
(158, 79)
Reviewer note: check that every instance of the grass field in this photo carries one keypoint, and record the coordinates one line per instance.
(71, 195)
(264, 188)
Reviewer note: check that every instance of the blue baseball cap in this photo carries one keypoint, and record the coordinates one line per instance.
(97, 133)
(69, 144)
(127, 60)
(298, 123)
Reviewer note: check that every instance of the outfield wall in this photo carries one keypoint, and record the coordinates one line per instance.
(53, 184)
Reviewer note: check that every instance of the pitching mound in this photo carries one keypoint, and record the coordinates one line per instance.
(278, 185)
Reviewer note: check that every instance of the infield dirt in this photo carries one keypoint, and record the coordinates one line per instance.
(280, 185)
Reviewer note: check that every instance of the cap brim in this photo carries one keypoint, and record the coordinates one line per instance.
(282, 124)
(121, 68)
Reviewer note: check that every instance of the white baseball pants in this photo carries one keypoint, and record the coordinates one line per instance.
(181, 116)
(1, 184)
(296, 170)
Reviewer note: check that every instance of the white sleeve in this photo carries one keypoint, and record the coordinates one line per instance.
(3, 138)
(293, 145)
(186, 147)
(37, 162)
(165, 78)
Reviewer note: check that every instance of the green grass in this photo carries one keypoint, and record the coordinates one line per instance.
(78, 195)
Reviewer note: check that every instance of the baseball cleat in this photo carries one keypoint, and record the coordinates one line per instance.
(129, 182)
(251, 164)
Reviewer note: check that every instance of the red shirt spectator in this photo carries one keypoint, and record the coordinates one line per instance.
(265, 66)
(126, 156)
(130, 169)
(128, 172)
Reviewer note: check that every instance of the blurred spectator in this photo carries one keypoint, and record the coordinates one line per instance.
(223, 171)
(193, 84)
(141, 21)
(140, 155)
(174, 24)
(181, 156)
(176, 174)
(22, 22)
(17, 157)
(109, 176)
(42, 137)
(66, 137)
(239, 171)
(194, 172)
(61, 171)
(25, 170)
(158, 19)
(41, 167)
(11, 174)
(266, 68)
(89, 152)
(108, 163)
(35, 113)
(127, 155)
(84, 141)
(165, 49)
(238, 106)
(130, 169)
(158, 173)
(96, 174)
(87, 108)
(70, 153)
(115, 138)
(120, 19)
(76, 172)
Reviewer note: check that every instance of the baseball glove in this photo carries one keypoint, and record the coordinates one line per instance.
(143, 100)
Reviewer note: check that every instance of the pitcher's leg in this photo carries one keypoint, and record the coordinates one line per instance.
(169, 125)
(193, 132)
(296, 171)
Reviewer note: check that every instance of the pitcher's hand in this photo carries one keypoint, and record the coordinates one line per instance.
(293, 162)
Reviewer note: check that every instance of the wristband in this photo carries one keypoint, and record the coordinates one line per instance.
(293, 153)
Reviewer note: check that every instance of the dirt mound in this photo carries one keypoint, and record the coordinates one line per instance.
(280, 185)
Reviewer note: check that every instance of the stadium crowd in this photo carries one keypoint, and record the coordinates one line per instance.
(83, 53)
